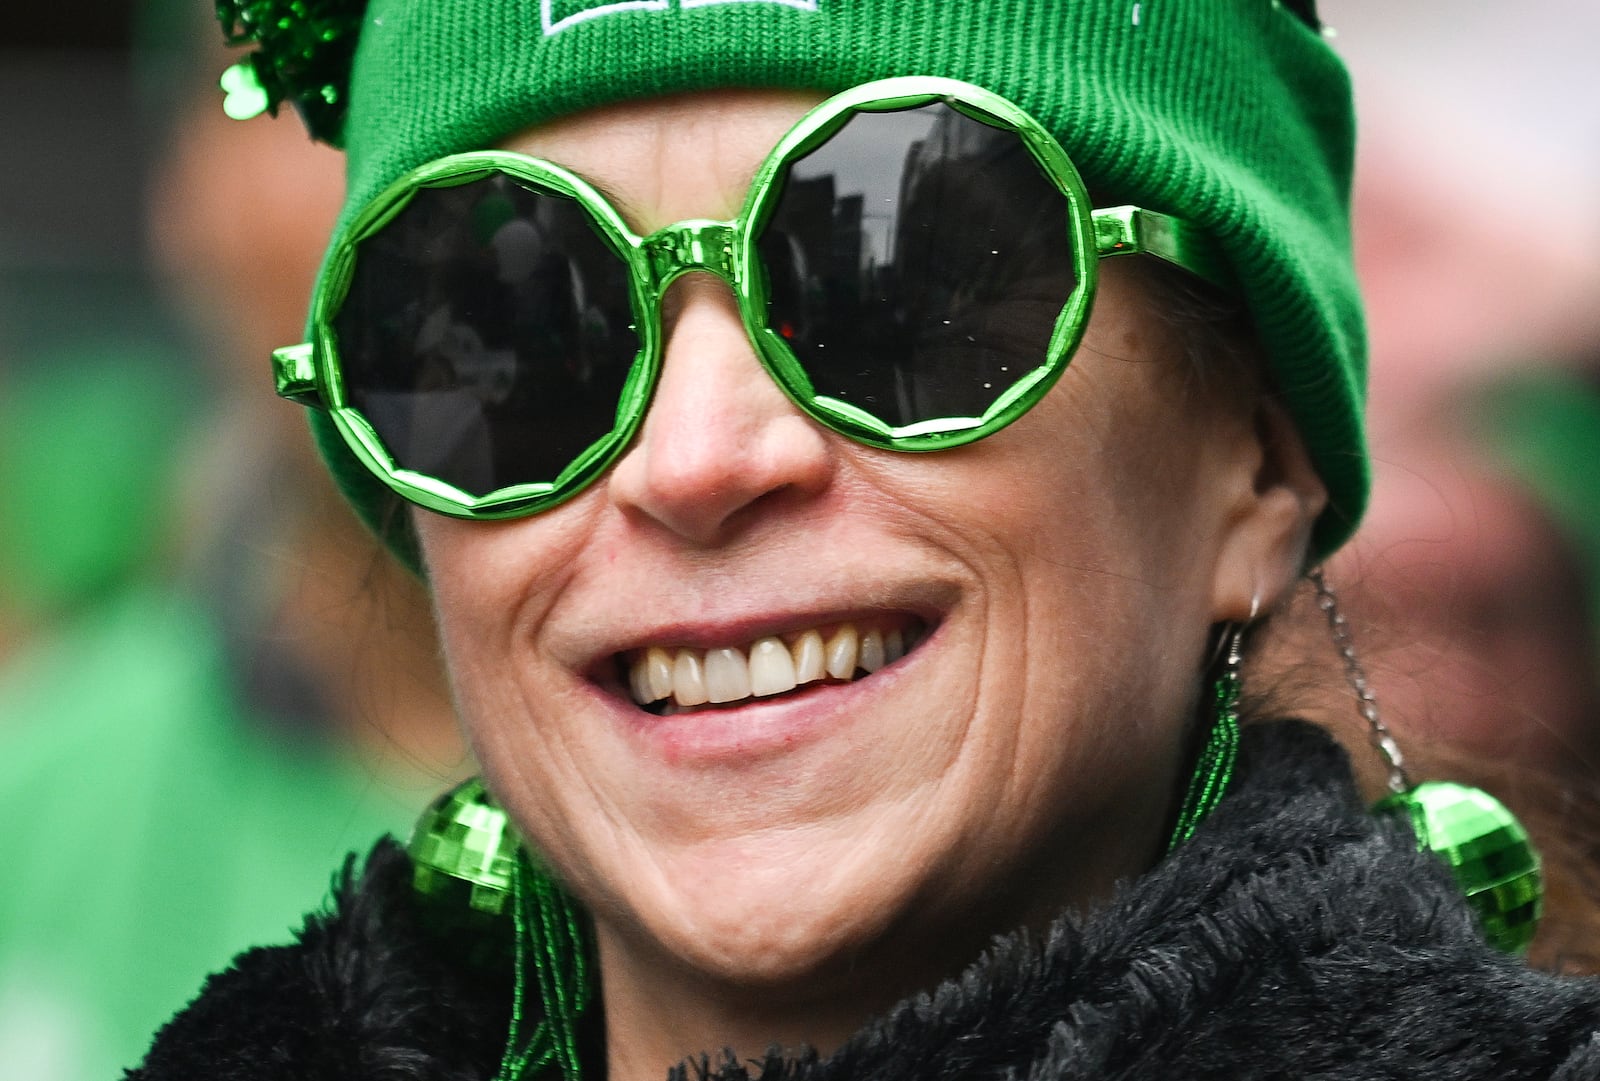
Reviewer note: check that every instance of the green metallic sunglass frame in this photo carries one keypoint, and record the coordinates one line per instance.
(310, 373)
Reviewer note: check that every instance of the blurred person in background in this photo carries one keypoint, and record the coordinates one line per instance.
(89, 442)
(215, 687)
(1472, 579)
(1474, 590)
(1477, 226)
(1483, 544)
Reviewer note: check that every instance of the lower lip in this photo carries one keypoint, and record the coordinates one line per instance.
(761, 728)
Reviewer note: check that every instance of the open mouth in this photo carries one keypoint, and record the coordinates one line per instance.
(665, 680)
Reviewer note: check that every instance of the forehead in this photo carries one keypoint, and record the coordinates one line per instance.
(667, 159)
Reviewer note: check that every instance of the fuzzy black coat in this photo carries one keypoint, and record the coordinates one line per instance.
(1295, 936)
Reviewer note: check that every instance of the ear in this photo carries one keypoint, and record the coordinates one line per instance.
(1263, 550)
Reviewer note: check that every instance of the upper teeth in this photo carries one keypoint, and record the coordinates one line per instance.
(694, 677)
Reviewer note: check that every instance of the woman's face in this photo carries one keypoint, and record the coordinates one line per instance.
(1055, 583)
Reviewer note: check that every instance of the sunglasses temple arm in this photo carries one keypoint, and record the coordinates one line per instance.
(1131, 230)
(294, 370)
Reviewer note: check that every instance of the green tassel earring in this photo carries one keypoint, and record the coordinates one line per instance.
(1213, 770)
(478, 884)
(1481, 841)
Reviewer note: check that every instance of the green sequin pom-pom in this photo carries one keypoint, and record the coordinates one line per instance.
(304, 49)
(1488, 851)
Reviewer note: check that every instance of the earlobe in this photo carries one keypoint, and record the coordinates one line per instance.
(1264, 550)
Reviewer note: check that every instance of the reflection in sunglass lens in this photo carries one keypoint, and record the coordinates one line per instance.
(916, 263)
(487, 334)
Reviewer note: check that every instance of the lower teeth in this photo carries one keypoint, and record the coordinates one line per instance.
(668, 707)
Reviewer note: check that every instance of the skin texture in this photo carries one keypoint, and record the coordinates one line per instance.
(775, 872)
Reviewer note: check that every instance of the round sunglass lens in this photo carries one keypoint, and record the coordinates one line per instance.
(916, 264)
(487, 334)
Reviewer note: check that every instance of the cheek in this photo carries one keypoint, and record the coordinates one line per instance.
(1111, 534)
(1081, 526)
(494, 585)
(1107, 478)
(494, 571)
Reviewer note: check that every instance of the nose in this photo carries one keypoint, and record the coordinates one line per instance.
(720, 438)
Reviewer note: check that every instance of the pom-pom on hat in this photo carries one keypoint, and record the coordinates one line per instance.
(1233, 114)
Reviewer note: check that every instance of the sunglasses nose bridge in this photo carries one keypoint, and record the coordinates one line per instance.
(698, 244)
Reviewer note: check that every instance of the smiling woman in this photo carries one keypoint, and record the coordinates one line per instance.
(843, 568)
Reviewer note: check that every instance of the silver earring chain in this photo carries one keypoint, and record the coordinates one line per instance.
(1382, 738)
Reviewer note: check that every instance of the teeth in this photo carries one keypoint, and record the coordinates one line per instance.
(639, 684)
(688, 680)
(771, 668)
(871, 651)
(727, 675)
(692, 677)
(658, 671)
(809, 665)
(841, 652)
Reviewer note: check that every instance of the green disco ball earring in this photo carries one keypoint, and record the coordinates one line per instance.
(1487, 850)
(464, 856)
(477, 886)
(1485, 847)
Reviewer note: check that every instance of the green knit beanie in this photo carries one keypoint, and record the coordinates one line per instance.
(1233, 114)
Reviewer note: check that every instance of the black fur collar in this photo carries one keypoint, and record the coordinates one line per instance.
(1293, 937)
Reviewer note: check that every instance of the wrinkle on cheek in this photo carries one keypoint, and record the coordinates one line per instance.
(491, 573)
(985, 549)
(557, 804)
(993, 743)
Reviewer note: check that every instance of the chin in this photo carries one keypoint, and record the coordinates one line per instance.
(770, 940)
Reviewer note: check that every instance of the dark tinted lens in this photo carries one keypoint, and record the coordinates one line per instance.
(487, 334)
(917, 262)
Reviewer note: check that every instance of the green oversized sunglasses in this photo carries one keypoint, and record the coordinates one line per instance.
(914, 264)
